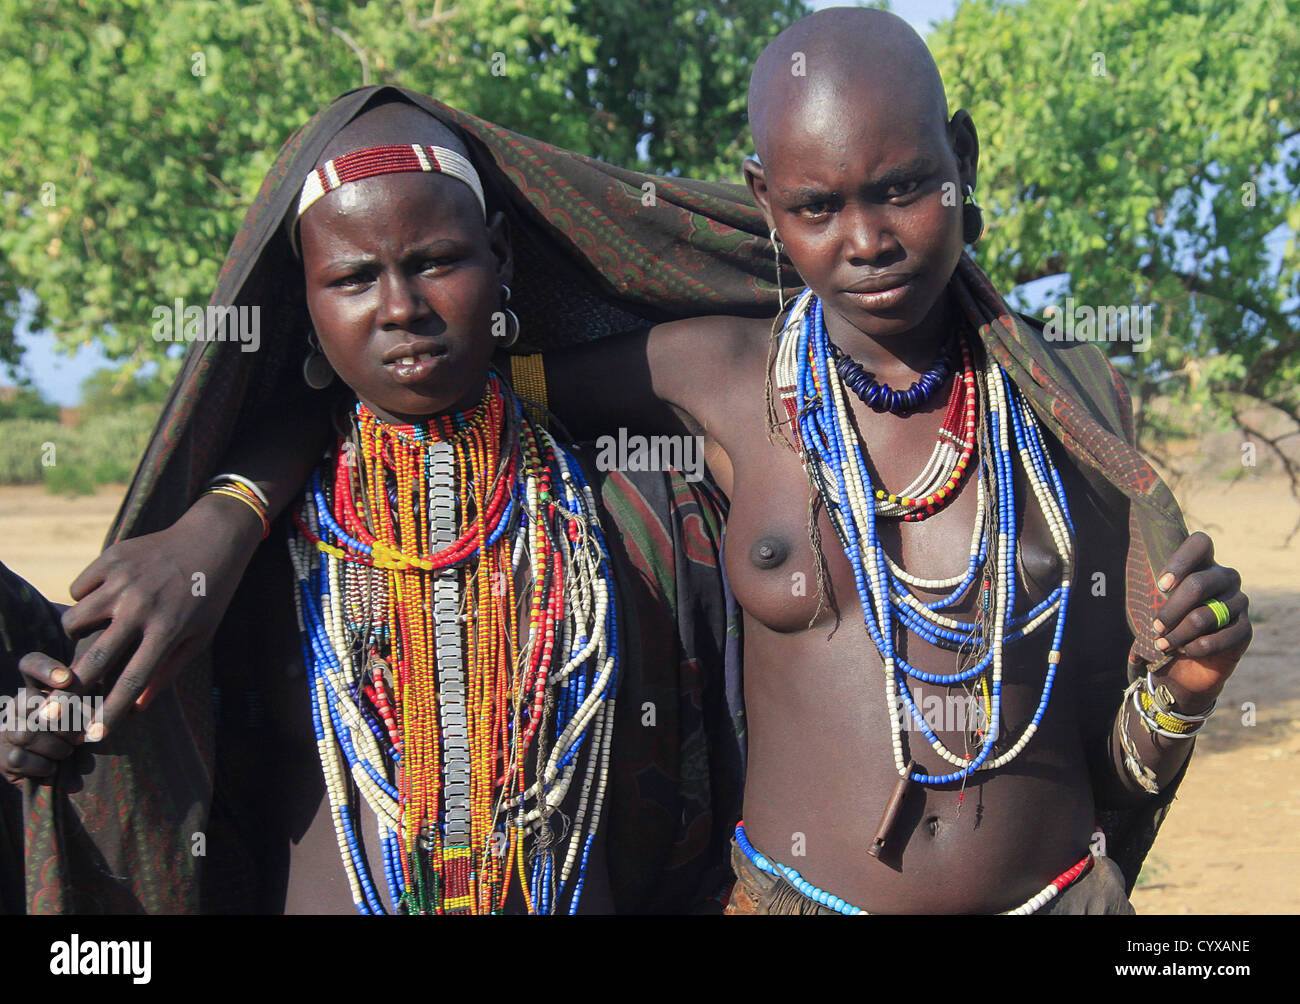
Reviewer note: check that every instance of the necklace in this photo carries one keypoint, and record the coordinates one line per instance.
(832, 454)
(415, 550)
(879, 396)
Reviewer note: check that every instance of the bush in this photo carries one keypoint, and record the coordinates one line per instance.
(104, 449)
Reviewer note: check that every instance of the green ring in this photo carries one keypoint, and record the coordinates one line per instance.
(1221, 613)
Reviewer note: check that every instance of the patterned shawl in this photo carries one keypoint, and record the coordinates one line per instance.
(598, 250)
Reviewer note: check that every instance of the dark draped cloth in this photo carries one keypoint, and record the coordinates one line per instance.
(598, 250)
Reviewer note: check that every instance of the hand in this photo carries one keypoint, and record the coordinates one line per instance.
(46, 724)
(1206, 654)
(159, 598)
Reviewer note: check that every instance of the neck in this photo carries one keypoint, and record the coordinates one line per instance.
(893, 358)
(463, 406)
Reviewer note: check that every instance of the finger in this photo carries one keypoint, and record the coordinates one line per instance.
(91, 578)
(1231, 642)
(20, 763)
(58, 713)
(164, 675)
(1201, 622)
(99, 657)
(50, 745)
(1193, 591)
(44, 672)
(92, 613)
(129, 686)
(1195, 552)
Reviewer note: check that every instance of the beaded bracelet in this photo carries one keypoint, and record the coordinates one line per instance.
(1155, 728)
(1163, 701)
(528, 375)
(1152, 713)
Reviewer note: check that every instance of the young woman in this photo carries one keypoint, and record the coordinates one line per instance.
(489, 686)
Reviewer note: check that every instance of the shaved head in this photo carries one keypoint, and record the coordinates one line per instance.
(842, 55)
(861, 175)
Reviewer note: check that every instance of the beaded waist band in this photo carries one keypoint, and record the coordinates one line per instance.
(832, 902)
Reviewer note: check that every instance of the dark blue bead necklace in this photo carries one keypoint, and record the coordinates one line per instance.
(879, 396)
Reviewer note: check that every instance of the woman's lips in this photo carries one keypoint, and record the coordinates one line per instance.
(882, 299)
(414, 369)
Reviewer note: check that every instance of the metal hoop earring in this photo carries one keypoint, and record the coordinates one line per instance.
(511, 334)
(317, 373)
(972, 218)
(777, 250)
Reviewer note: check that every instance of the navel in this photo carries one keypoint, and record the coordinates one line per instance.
(769, 552)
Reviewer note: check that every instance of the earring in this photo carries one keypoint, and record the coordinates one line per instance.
(972, 218)
(317, 373)
(511, 334)
(777, 251)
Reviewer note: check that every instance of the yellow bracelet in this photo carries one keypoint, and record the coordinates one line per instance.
(1167, 722)
(232, 492)
(528, 374)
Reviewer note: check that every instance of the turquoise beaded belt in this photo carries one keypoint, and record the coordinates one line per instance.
(832, 902)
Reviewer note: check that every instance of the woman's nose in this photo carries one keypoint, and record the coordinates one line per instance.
(402, 302)
(868, 237)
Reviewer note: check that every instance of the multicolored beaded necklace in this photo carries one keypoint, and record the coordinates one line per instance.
(416, 550)
(832, 454)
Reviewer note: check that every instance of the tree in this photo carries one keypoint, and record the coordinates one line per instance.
(1146, 151)
(134, 134)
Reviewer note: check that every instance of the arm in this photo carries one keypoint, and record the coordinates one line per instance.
(142, 605)
(1190, 684)
(666, 379)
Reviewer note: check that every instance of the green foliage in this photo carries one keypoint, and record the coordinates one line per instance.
(133, 135)
(1148, 148)
(103, 449)
(106, 392)
(27, 402)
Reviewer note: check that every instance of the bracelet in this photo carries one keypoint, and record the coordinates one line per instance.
(1151, 712)
(1140, 773)
(244, 482)
(528, 375)
(1155, 728)
(1164, 701)
(231, 491)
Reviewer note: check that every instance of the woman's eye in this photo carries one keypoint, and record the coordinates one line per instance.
(903, 189)
(814, 210)
(353, 280)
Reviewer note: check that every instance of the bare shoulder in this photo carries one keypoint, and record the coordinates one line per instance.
(712, 341)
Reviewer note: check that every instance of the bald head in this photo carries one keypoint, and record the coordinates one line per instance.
(839, 56)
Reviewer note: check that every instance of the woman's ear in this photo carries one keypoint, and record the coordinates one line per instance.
(499, 241)
(756, 179)
(965, 147)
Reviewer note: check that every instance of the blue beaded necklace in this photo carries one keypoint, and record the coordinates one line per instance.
(833, 456)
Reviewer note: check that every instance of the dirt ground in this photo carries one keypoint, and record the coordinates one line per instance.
(1229, 843)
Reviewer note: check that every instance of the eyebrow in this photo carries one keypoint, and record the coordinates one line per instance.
(906, 171)
(437, 246)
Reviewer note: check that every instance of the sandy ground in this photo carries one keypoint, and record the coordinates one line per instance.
(1228, 845)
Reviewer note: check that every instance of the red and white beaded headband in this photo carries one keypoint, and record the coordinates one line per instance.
(376, 160)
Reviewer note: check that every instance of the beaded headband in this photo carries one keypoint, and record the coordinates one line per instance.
(376, 160)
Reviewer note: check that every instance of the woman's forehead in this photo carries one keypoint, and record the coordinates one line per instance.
(423, 205)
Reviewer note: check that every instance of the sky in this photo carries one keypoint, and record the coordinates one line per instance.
(58, 375)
